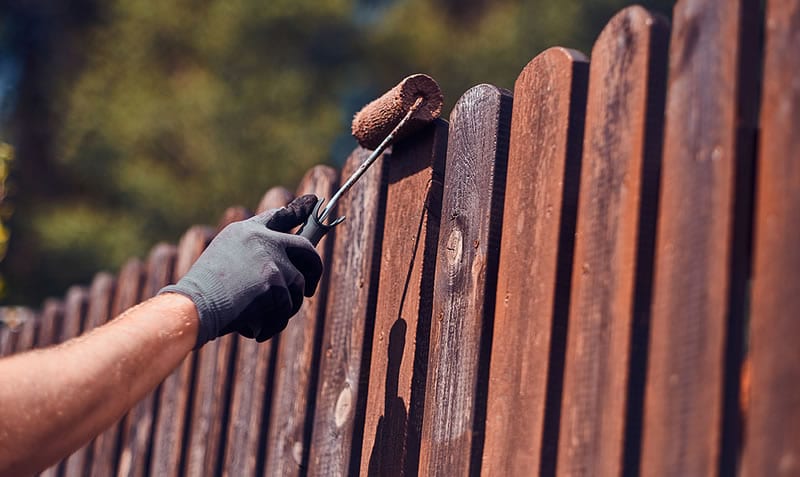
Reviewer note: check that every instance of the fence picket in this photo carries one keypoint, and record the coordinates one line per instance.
(97, 311)
(206, 421)
(174, 404)
(399, 357)
(341, 393)
(105, 453)
(454, 418)
(615, 231)
(251, 386)
(772, 442)
(702, 257)
(535, 263)
(50, 322)
(296, 366)
(137, 434)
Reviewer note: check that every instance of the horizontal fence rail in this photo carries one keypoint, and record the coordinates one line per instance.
(584, 276)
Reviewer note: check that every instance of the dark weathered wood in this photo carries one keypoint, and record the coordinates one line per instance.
(26, 332)
(50, 321)
(6, 340)
(347, 337)
(251, 386)
(772, 439)
(105, 453)
(466, 277)
(702, 257)
(174, 405)
(398, 363)
(100, 295)
(615, 230)
(535, 264)
(75, 303)
(211, 395)
(15, 331)
(296, 367)
(137, 434)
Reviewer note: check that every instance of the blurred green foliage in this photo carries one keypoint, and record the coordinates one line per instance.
(158, 115)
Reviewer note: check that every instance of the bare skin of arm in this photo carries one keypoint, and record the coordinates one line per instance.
(57, 399)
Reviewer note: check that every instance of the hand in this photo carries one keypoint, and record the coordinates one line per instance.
(253, 275)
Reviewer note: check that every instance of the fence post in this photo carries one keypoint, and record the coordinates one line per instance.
(137, 437)
(612, 273)
(702, 255)
(129, 285)
(772, 437)
(466, 277)
(296, 367)
(254, 370)
(212, 379)
(349, 323)
(398, 363)
(174, 398)
(535, 262)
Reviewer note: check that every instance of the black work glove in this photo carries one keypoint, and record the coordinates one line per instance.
(253, 275)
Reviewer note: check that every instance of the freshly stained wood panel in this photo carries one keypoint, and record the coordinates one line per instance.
(97, 313)
(615, 231)
(206, 425)
(137, 435)
(699, 289)
(174, 405)
(535, 264)
(341, 393)
(398, 363)
(296, 368)
(252, 385)
(466, 275)
(126, 294)
(772, 440)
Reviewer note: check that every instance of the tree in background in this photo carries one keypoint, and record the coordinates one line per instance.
(137, 118)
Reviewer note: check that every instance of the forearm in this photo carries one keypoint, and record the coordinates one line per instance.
(53, 401)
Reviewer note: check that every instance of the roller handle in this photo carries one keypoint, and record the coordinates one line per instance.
(314, 229)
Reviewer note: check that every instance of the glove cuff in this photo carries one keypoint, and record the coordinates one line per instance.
(212, 303)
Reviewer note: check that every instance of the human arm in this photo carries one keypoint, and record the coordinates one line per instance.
(251, 279)
(56, 399)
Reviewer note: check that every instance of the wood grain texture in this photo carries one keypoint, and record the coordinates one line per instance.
(772, 439)
(615, 231)
(466, 277)
(398, 363)
(98, 308)
(105, 453)
(296, 367)
(702, 256)
(174, 406)
(347, 337)
(207, 425)
(535, 264)
(137, 434)
(253, 373)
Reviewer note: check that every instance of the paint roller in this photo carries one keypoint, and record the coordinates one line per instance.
(401, 111)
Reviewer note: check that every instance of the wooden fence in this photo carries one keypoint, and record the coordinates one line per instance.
(596, 277)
